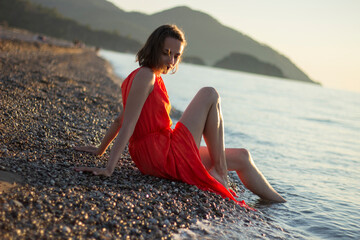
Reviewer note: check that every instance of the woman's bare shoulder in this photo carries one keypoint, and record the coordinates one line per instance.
(145, 74)
(144, 80)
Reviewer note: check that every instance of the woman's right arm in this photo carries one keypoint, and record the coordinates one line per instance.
(108, 138)
(111, 134)
(141, 87)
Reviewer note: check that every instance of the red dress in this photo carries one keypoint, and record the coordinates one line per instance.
(160, 151)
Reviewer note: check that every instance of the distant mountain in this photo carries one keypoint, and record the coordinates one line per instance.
(193, 60)
(247, 63)
(207, 38)
(30, 16)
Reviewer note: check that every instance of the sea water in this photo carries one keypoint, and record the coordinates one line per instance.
(303, 137)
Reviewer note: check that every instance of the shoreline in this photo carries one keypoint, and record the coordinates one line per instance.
(54, 98)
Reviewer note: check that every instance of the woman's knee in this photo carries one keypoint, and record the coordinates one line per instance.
(209, 93)
(243, 159)
(245, 155)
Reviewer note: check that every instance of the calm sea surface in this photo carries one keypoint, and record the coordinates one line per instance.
(304, 138)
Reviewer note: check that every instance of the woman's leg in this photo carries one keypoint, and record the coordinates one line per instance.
(203, 117)
(239, 160)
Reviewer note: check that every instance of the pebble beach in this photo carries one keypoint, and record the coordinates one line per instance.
(54, 97)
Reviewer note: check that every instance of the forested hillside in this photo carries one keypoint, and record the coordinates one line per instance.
(35, 18)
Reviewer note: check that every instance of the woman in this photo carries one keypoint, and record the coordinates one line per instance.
(175, 153)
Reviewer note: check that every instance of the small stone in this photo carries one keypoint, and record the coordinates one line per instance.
(6, 207)
(193, 221)
(18, 204)
(167, 223)
(66, 229)
(152, 221)
(4, 150)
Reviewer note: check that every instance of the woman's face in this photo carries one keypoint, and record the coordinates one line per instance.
(170, 55)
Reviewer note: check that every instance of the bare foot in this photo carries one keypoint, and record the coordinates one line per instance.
(219, 178)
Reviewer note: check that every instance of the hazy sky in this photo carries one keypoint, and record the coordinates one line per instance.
(322, 37)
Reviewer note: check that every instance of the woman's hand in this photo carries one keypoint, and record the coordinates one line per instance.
(94, 170)
(90, 149)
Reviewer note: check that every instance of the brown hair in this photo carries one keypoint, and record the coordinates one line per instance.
(149, 54)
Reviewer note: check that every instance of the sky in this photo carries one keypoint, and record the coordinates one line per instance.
(322, 37)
